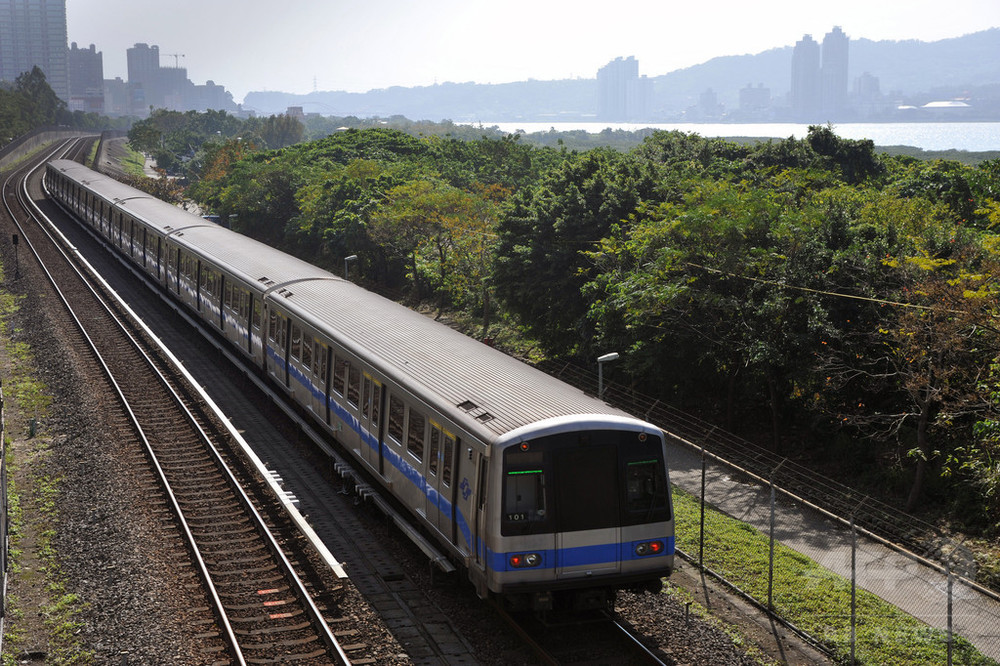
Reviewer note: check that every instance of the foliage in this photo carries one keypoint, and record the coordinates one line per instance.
(813, 294)
(180, 142)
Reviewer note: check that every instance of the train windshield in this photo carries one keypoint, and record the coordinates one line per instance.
(584, 480)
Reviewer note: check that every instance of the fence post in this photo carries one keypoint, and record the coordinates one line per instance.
(770, 557)
(701, 530)
(854, 589)
(950, 604)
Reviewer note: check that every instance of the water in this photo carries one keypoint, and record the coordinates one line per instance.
(973, 137)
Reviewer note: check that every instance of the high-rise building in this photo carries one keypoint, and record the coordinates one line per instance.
(144, 77)
(621, 93)
(805, 78)
(819, 85)
(86, 79)
(833, 73)
(755, 101)
(33, 32)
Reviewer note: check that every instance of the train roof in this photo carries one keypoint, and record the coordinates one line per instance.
(480, 387)
(152, 211)
(258, 264)
(471, 381)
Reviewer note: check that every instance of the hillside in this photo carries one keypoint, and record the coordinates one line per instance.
(913, 72)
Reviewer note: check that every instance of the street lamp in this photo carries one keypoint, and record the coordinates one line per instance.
(601, 360)
(347, 261)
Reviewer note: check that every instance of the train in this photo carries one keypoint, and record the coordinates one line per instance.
(545, 496)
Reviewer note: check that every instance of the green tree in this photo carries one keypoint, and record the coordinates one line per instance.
(540, 266)
(39, 103)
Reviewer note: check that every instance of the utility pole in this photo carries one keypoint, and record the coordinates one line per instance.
(176, 56)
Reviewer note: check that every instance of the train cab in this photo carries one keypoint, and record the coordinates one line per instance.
(608, 516)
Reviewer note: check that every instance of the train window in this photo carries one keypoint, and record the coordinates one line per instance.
(449, 452)
(319, 358)
(524, 496)
(592, 500)
(415, 434)
(227, 297)
(432, 455)
(339, 374)
(256, 313)
(354, 385)
(396, 418)
(376, 400)
(645, 486)
(282, 334)
(366, 396)
(272, 326)
(307, 354)
(296, 342)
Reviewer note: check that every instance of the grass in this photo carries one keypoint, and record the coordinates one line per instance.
(134, 164)
(813, 598)
(33, 510)
(92, 155)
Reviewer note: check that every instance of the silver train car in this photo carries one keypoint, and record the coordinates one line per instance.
(545, 496)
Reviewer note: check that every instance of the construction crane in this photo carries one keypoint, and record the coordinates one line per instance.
(176, 56)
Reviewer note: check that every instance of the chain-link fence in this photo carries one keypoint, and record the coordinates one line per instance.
(855, 595)
(4, 520)
(864, 581)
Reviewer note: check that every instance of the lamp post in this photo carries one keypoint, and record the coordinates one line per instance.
(347, 261)
(601, 360)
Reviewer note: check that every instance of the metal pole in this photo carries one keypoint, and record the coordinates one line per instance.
(601, 360)
(770, 558)
(701, 531)
(854, 588)
(770, 561)
(950, 600)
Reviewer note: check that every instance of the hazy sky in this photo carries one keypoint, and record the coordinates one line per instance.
(297, 45)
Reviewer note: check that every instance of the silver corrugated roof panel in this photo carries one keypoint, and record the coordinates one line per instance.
(254, 261)
(477, 385)
(450, 368)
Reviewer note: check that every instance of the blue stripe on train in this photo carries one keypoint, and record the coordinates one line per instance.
(580, 556)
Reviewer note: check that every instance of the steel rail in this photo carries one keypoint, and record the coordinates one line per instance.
(305, 598)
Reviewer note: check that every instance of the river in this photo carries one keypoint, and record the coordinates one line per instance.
(973, 137)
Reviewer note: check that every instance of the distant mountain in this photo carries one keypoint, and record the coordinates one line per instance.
(912, 72)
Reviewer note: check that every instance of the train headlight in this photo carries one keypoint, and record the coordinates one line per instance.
(525, 560)
(649, 548)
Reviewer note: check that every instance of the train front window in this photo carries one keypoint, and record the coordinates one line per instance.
(584, 480)
(524, 498)
(645, 487)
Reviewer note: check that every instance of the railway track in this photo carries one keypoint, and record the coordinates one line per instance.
(267, 605)
(420, 630)
(597, 638)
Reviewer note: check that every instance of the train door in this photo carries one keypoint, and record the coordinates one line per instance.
(277, 334)
(229, 307)
(171, 276)
(314, 367)
(254, 341)
(319, 378)
(369, 417)
(587, 509)
(480, 530)
(440, 507)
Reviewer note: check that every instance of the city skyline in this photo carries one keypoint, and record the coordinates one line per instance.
(387, 43)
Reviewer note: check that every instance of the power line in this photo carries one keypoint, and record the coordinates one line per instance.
(822, 292)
